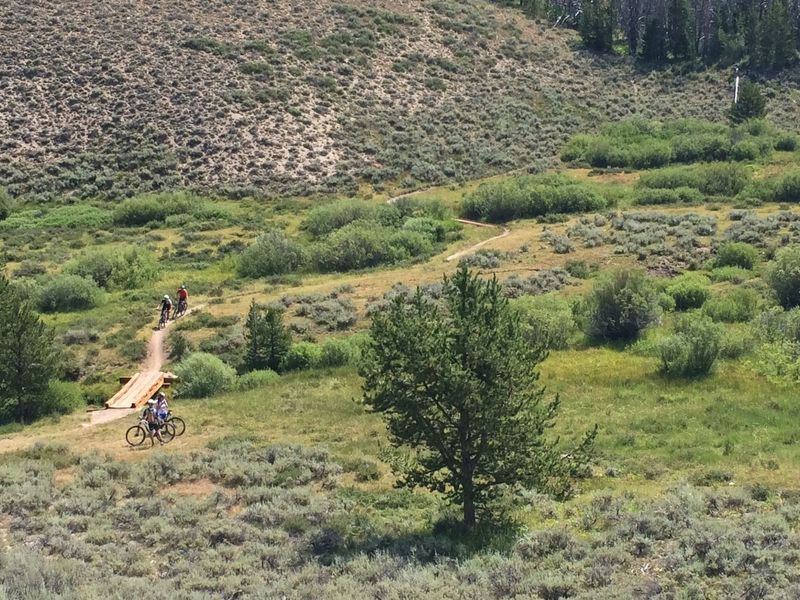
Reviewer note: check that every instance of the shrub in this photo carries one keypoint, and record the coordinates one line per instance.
(155, 208)
(95, 265)
(701, 147)
(692, 350)
(716, 179)
(62, 398)
(334, 313)
(5, 204)
(323, 220)
(430, 228)
(68, 292)
(255, 379)
(337, 353)
(736, 306)
(201, 375)
(179, 346)
(620, 305)
(649, 155)
(745, 150)
(736, 254)
(272, 253)
(124, 270)
(356, 246)
(731, 274)
(529, 196)
(781, 188)
(786, 142)
(783, 275)
(681, 195)
(301, 356)
(689, 291)
(547, 318)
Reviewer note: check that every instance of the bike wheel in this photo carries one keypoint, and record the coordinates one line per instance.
(135, 436)
(179, 424)
(167, 432)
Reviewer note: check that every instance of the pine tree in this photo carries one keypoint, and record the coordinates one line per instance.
(778, 31)
(678, 29)
(751, 104)
(27, 359)
(267, 340)
(654, 42)
(457, 385)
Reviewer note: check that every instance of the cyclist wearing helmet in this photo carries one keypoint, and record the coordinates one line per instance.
(150, 415)
(183, 300)
(162, 408)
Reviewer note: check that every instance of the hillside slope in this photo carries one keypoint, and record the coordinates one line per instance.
(105, 99)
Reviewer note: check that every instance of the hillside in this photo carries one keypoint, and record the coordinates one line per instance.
(106, 99)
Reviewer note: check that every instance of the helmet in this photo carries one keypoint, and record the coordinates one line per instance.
(166, 297)
(183, 287)
(151, 402)
(161, 395)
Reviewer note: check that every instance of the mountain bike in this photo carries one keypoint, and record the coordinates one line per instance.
(162, 322)
(177, 422)
(136, 435)
(180, 309)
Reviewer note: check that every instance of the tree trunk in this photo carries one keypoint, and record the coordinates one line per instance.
(469, 501)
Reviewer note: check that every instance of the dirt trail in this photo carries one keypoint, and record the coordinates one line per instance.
(474, 247)
(150, 370)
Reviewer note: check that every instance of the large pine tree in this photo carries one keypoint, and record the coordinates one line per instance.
(267, 339)
(457, 384)
(27, 358)
(679, 29)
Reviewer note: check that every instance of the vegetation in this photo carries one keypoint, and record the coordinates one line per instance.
(272, 253)
(457, 387)
(751, 104)
(692, 350)
(203, 375)
(27, 360)
(620, 305)
(783, 275)
(266, 338)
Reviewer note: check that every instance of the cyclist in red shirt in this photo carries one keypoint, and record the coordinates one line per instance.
(183, 301)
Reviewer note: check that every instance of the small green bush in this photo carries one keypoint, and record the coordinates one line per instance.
(731, 274)
(745, 151)
(95, 265)
(715, 179)
(735, 306)
(123, 269)
(65, 293)
(783, 275)
(301, 356)
(689, 291)
(358, 245)
(201, 375)
(272, 253)
(547, 317)
(323, 220)
(620, 305)
(692, 350)
(62, 398)
(256, 379)
(337, 353)
(780, 188)
(430, 228)
(786, 142)
(736, 254)
(155, 208)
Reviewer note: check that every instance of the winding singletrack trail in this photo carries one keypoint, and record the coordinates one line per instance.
(142, 385)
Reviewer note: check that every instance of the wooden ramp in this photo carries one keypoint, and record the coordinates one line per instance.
(139, 389)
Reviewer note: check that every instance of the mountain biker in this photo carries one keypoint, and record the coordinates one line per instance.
(183, 298)
(166, 305)
(150, 415)
(162, 408)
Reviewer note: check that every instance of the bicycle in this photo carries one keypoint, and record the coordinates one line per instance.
(162, 322)
(136, 435)
(177, 422)
(180, 309)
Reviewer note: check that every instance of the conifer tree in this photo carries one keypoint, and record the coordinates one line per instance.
(267, 340)
(678, 29)
(751, 104)
(654, 42)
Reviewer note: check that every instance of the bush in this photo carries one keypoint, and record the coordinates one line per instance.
(746, 150)
(736, 306)
(681, 195)
(781, 188)
(301, 356)
(272, 253)
(256, 379)
(548, 318)
(783, 275)
(692, 350)
(323, 220)
(179, 346)
(621, 304)
(736, 254)
(716, 179)
(201, 375)
(731, 274)
(689, 291)
(62, 398)
(155, 208)
(430, 228)
(356, 246)
(6, 204)
(786, 142)
(337, 353)
(124, 270)
(68, 292)
(529, 196)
